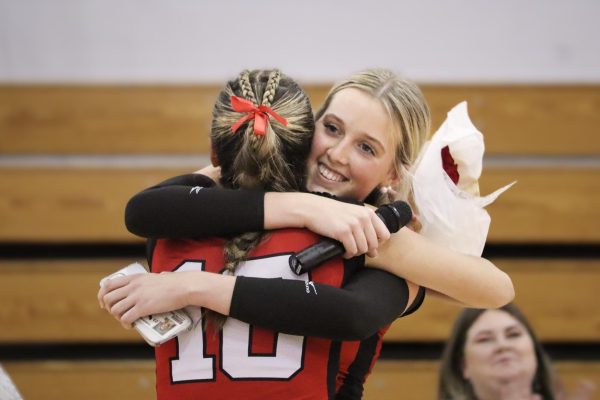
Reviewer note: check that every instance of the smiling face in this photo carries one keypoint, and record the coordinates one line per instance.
(352, 150)
(498, 347)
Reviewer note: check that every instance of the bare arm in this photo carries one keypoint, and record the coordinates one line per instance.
(470, 281)
(473, 281)
(370, 300)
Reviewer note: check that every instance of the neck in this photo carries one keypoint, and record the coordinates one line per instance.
(504, 389)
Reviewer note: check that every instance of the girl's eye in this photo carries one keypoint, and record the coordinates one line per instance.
(483, 339)
(331, 128)
(367, 148)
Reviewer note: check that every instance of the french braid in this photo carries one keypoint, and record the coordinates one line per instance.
(246, 87)
(272, 85)
(247, 93)
(272, 162)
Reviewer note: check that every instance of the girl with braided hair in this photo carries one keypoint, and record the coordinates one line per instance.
(259, 145)
(368, 132)
(254, 153)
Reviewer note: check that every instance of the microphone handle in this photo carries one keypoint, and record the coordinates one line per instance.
(394, 216)
(315, 255)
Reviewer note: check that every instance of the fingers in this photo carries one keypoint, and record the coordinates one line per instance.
(360, 237)
(350, 246)
(367, 230)
(381, 231)
(121, 307)
(100, 296)
(129, 317)
(109, 286)
(114, 291)
(375, 232)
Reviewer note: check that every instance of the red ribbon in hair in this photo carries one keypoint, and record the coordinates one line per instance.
(258, 113)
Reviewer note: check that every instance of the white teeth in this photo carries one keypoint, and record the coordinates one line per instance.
(329, 174)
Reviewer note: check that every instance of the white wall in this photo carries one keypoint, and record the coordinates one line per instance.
(192, 41)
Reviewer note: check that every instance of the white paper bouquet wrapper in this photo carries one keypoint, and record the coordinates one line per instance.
(453, 215)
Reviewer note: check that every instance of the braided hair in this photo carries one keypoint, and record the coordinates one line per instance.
(274, 161)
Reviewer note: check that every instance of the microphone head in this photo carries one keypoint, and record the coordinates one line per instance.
(395, 215)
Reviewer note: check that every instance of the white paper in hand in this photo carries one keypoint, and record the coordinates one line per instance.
(453, 215)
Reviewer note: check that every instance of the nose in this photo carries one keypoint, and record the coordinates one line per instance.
(338, 152)
(502, 343)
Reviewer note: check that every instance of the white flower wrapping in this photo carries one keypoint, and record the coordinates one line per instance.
(453, 215)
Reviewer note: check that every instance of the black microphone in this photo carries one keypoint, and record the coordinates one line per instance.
(394, 215)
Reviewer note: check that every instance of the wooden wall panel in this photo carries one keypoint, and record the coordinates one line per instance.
(175, 119)
(552, 293)
(105, 119)
(526, 119)
(55, 301)
(70, 205)
(547, 205)
(91, 380)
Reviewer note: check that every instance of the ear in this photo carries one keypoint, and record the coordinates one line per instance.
(392, 178)
(213, 158)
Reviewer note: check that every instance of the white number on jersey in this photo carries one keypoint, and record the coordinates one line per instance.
(192, 364)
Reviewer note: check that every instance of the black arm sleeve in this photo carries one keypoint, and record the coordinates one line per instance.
(417, 302)
(369, 301)
(190, 206)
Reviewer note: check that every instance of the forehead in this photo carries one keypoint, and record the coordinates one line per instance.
(361, 113)
(493, 320)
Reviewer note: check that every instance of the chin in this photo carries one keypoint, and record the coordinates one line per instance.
(508, 372)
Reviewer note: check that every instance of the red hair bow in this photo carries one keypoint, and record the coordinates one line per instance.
(258, 113)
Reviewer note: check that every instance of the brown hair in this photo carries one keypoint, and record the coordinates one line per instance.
(453, 386)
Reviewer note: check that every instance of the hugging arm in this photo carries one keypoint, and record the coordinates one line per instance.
(190, 206)
(370, 300)
(472, 281)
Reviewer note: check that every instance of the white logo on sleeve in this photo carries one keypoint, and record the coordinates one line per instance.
(308, 285)
(196, 189)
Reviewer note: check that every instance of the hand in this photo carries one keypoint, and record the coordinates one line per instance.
(358, 228)
(131, 297)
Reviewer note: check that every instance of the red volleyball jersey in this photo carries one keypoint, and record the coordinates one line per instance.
(357, 359)
(244, 361)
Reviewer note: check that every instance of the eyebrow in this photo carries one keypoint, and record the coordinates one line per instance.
(335, 117)
(341, 122)
(489, 331)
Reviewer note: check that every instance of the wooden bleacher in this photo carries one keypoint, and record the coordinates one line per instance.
(134, 380)
(51, 300)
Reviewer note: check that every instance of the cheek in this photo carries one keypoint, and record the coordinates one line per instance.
(527, 351)
(474, 362)
(369, 172)
(317, 147)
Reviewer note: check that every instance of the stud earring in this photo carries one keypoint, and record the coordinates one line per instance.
(385, 189)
